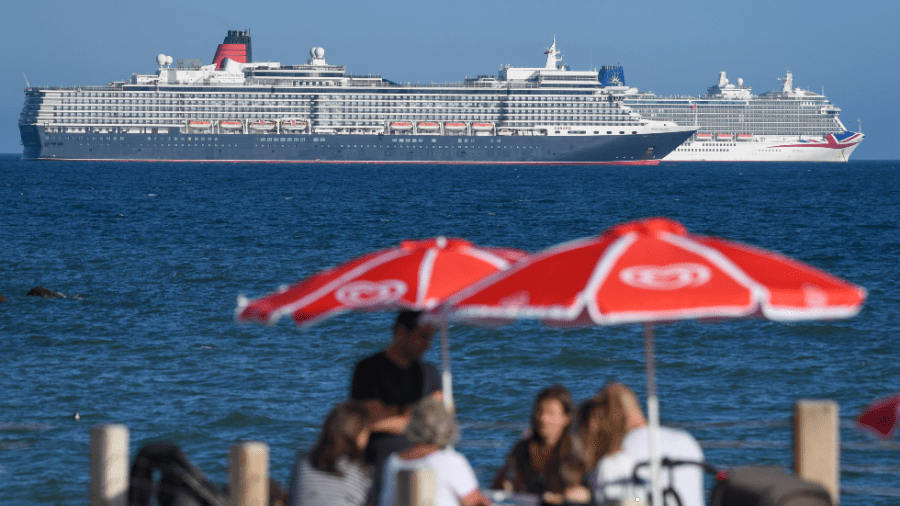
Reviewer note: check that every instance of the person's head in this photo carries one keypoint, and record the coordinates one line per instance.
(345, 433)
(411, 338)
(604, 420)
(552, 415)
(431, 423)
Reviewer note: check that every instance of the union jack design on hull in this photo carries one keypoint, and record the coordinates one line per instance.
(832, 141)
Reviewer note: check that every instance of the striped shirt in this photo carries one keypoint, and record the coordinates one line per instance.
(312, 487)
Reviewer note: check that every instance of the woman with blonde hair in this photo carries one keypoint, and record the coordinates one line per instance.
(603, 422)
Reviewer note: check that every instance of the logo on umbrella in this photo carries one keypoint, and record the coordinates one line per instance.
(814, 296)
(367, 293)
(666, 277)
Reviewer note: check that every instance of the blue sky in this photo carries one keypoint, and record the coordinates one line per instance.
(675, 47)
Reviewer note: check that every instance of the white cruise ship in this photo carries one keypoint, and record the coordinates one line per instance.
(791, 125)
(235, 109)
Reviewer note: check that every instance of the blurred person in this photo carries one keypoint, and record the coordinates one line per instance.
(335, 472)
(390, 383)
(531, 466)
(601, 429)
(431, 429)
(619, 407)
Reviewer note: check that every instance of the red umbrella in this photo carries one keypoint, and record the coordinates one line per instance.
(415, 275)
(650, 271)
(881, 417)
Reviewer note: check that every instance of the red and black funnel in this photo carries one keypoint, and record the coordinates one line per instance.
(236, 46)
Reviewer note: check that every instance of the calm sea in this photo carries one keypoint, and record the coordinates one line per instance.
(152, 256)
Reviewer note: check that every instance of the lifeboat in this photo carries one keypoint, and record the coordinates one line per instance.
(293, 125)
(704, 137)
(482, 127)
(231, 125)
(262, 125)
(454, 127)
(504, 131)
(200, 125)
(428, 127)
(724, 137)
(400, 126)
(745, 137)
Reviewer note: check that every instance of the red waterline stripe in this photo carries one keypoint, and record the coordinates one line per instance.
(337, 162)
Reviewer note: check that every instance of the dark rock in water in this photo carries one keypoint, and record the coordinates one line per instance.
(2, 298)
(40, 291)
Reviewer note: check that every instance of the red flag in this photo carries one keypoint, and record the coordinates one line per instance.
(881, 417)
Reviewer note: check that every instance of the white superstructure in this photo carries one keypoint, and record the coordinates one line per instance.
(734, 125)
(237, 97)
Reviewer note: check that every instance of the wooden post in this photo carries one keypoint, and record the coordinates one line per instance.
(817, 444)
(109, 465)
(416, 488)
(248, 474)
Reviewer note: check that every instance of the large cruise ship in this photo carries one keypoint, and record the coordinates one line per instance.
(235, 109)
(791, 125)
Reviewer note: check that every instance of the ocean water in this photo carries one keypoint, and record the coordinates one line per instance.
(152, 256)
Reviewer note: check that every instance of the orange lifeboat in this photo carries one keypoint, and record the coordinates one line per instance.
(262, 125)
(200, 125)
(293, 125)
(401, 126)
(745, 137)
(482, 127)
(230, 125)
(428, 127)
(704, 137)
(724, 137)
(454, 127)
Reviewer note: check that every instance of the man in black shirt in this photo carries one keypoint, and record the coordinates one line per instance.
(391, 382)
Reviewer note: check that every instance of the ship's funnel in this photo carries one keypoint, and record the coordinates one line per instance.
(236, 46)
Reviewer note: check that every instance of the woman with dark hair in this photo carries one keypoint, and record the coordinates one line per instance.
(334, 472)
(531, 465)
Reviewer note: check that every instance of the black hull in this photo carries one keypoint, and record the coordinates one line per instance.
(306, 148)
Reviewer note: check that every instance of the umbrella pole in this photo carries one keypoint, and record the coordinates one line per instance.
(446, 377)
(653, 416)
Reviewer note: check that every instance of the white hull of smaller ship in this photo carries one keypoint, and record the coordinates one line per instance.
(767, 149)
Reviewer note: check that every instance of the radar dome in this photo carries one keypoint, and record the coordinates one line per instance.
(161, 59)
(740, 81)
(168, 60)
(320, 52)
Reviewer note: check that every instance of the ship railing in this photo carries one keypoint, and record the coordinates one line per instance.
(72, 88)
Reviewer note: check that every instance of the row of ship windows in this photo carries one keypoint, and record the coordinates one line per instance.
(327, 106)
(711, 150)
(150, 97)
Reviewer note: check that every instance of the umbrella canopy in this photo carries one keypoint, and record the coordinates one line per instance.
(654, 271)
(650, 271)
(881, 417)
(415, 275)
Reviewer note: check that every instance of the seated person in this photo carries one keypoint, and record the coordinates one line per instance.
(601, 429)
(431, 429)
(624, 409)
(335, 471)
(532, 463)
